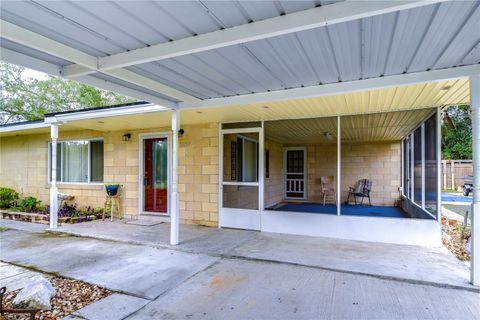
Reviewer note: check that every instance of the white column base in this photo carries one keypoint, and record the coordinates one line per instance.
(475, 249)
(53, 207)
(174, 219)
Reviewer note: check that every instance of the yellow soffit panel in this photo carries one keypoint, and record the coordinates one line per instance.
(374, 101)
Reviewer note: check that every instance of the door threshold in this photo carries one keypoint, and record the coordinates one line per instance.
(153, 216)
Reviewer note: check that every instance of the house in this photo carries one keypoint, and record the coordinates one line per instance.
(251, 106)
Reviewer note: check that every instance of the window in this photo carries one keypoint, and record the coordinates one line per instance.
(247, 153)
(431, 164)
(406, 167)
(78, 161)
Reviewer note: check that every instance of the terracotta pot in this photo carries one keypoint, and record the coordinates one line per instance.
(444, 221)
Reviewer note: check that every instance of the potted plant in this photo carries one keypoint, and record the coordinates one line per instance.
(112, 189)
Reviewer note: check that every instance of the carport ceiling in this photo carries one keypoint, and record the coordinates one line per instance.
(209, 53)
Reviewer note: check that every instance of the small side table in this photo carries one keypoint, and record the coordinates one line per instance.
(112, 203)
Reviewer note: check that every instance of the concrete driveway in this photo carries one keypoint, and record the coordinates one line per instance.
(193, 285)
(141, 271)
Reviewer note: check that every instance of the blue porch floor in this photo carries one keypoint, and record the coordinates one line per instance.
(348, 210)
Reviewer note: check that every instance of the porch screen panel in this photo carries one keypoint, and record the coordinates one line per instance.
(431, 165)
(240, 157)
(406, 169)
(417, 162)
(75, 161)
(240, 197)
(96, 161)
(240, 170)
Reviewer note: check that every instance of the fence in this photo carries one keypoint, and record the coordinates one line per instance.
(453, 172)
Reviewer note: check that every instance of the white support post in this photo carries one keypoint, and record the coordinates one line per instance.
(261, 172)
(439, 163)
(402, 167)
(339, 164)
(53, 175)
(475, 238)
(452, 175)
(412, 167)
(423, 164)
(174, 207)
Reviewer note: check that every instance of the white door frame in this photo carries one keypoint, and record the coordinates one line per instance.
(141, 197)
(234, 217)
(305, 177)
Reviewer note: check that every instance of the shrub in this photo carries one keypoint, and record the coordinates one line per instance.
(29, 204)
(8, 197)
(68, 210)
(90, 211)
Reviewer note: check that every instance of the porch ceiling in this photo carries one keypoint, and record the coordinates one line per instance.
(127, 122)
(390, 126)
(415, 97)
(207, 53)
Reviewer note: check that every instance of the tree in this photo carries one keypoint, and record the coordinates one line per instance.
(457, 133)
(23, 99)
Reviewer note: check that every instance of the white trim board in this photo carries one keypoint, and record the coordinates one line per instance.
(374, 229)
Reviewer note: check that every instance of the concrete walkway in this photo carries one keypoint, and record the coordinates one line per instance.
(387, 261)
(185, 285)
(14, 277)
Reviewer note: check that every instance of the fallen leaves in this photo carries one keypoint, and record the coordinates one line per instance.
(70, 296)
(453, 240)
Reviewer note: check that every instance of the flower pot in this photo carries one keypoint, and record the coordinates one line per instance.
(452, 222)
(112, 190)
(444, 221)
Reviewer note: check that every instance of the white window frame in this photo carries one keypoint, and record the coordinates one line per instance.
(49, 162)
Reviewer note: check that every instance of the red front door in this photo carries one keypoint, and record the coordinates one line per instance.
(155, 175)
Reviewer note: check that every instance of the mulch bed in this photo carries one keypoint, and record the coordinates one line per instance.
(70, 296)
(454, 241)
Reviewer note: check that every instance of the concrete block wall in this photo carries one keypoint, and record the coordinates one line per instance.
(378, 161)
(24, 167)
(275, 183)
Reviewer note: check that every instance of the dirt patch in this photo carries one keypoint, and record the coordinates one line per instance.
(455, 242)
(70, 296)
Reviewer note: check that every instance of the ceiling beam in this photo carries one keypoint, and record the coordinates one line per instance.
(38, 42)
(272, 27)
(339, 88)
(26, 61)
(23, 60)
(110, 86)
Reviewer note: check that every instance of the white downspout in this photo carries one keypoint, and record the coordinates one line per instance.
(475, 239)
(175, 212)
(53, 175)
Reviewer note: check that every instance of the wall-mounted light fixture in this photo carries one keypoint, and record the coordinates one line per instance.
(126, 137)
(181, 132)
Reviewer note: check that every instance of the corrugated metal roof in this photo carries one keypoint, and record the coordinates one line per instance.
(426, 38)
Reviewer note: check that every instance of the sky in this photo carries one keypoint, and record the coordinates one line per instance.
(29, 73)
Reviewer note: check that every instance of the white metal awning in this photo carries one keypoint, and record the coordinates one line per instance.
(188, 54)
